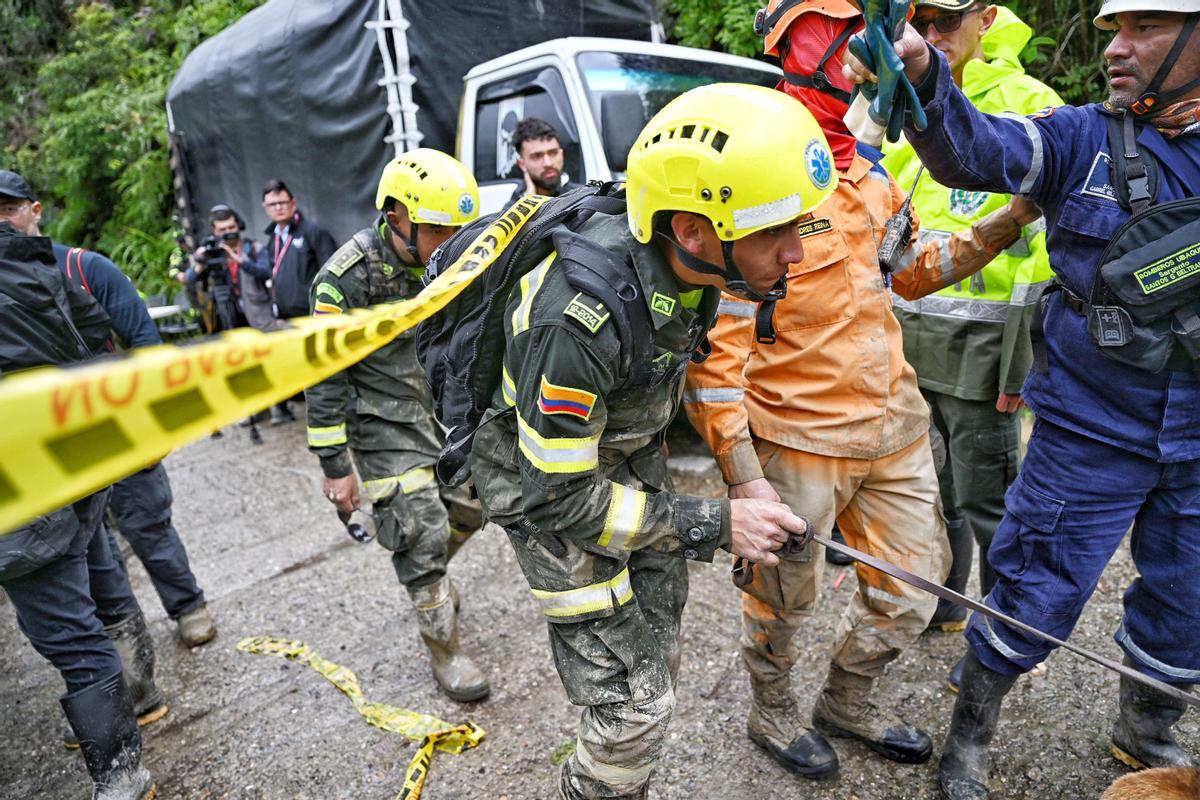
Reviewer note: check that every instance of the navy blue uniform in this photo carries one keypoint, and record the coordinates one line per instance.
(141, 503)
(1114, 445)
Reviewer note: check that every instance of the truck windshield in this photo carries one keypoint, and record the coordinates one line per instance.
(655, 79)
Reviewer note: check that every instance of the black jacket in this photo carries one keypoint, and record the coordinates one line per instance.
(310, 247)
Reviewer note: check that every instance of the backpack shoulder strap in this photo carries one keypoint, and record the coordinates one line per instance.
(1135, 175)
(600, 273)
(74, 270)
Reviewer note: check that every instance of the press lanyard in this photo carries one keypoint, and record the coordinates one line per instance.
(281, 252)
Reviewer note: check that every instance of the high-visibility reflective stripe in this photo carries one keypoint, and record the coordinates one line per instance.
(507, 387)
(927, 235)
(736, 308)
(327, 437)
(1183, 673)
(626, 512)
(946, 264)
(939, 305)
(888, 597)
(721, 394)
(611, 774)
(1035, 157)
(408, 482)
(1026, 294)
(530, 283)
(586, 599)
(558, 456)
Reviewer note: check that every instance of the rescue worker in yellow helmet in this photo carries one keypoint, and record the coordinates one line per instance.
(378, 410)
(569, 458)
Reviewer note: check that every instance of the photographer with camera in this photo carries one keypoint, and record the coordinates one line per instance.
(230, 275)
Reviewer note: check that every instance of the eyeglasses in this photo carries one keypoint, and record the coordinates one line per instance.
(943, 23)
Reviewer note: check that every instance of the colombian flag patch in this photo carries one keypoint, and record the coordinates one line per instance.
(326, 308)
(554, 399)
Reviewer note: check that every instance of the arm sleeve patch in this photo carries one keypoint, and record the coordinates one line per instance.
(554, 399)
(346, 257)
(589, 313)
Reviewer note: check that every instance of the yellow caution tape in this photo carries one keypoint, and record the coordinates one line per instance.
(431, 732)
(70, 432)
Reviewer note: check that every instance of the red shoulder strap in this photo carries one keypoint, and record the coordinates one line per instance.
(75, 271)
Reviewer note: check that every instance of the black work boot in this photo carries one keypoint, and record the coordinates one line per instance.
(774, 725)
(951, 617)
(1141, 736)
(136, 648)
(963, 770)
(844, 710)
(102, 717)
(833, 556)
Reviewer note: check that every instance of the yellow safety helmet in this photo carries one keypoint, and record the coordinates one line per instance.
(746, 157)
(433, 187)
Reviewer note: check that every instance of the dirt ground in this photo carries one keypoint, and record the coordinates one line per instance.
(273, 560)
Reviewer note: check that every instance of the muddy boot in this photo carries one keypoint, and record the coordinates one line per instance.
(437, 618)
(963, 770)
(197, 626)
(136, 648)
(102, 718)
(843, 710)
(834, 557)
(1141, 736)
(774, 725)
(954, 679)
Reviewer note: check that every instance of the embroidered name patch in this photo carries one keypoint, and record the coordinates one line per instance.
(662, 304)
(1098, 182)
(1170, 270)
(813, 226)
(588, 317)
(554, 399)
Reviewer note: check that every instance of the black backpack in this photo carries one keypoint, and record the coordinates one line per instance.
(461, 348)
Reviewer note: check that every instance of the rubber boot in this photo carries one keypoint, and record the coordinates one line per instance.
(102, 718)
(774, 725)
(1141, 736)
(844, 710)
(954, 679)
(951, 617)
(437, 619)
(136, 648)
(834, 557)
(197, 626)
(963, 770)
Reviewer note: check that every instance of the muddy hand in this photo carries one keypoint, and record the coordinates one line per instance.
(761, 527)
(342, 492)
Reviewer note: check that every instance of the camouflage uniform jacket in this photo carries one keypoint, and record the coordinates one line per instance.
(353, 407)
(566, 449)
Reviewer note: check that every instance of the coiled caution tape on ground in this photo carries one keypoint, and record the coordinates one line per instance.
(69, 432)
(431, 732)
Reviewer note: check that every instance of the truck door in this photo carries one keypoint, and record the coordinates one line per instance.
(499, 106)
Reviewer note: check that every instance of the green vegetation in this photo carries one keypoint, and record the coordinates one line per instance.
(82, 113)
(1066, 52)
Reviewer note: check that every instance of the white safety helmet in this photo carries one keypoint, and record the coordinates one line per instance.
(1105, 20)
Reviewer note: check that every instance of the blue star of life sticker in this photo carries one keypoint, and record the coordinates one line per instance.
(818, 163)
(466, 204)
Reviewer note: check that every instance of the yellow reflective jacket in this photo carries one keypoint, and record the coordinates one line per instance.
(971, 340)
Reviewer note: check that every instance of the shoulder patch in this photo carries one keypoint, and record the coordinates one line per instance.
(554, 399)
(814, 226)
(662, 304)
(346, 257)
(589, 313)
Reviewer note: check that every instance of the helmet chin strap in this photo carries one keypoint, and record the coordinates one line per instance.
(409, 244)
(1150, 100)
(735, 283)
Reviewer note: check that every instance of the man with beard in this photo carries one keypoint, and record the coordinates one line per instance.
(1116, 442)
(540, 157)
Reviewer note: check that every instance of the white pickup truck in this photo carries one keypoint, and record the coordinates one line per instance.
(598, 93)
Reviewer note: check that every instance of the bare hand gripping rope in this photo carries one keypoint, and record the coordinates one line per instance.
(743, 575)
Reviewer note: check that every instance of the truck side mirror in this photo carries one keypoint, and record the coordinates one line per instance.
(622, 117)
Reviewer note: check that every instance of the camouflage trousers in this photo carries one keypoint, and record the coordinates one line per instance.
(613, 619)
(422, 522)
(888, 507)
